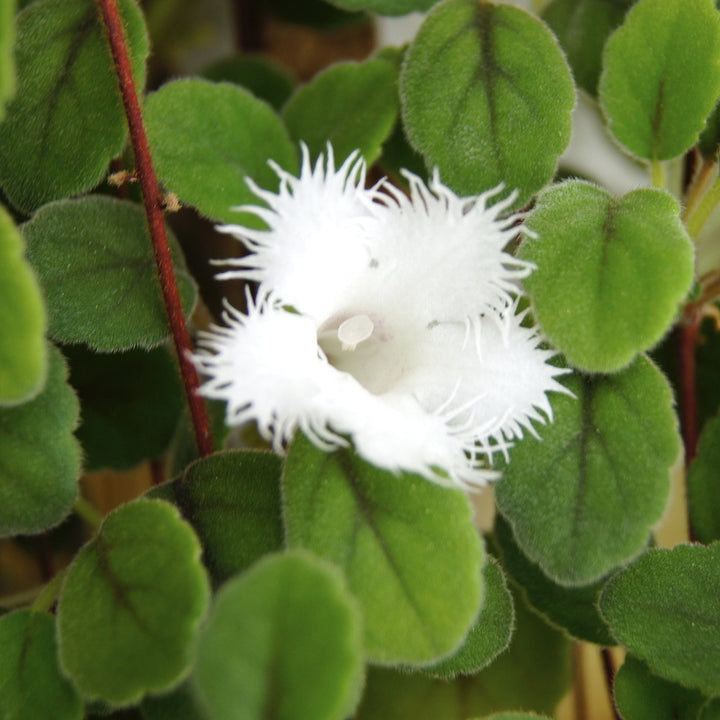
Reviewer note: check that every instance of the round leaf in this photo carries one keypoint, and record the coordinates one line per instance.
(32, 686)
(131, 604)
(487, 97)
(23, 361)
(572, 608)
(407, 547)
(232, 499)
(283, 641)
(640, 695)
(601, 472)
(703, 497)
(208, 138)
(66, 120)
(351, 105)
(95, 262)
(610, 272)
(582, 27)
(491, 632)
(657, 88)
(7, 61)
(39, 456)
(665, 608)
(131, 404)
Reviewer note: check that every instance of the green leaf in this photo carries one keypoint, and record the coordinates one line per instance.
(487, 97)
(491, 632)
(657, 88)
(665, 608)
(702, 484)
(711, 711)
(610, 272)
(407, 547)
(66, 120)
(32, 686)
(131, 604)
(572, 608)
(283, 640)
(232, 499)
(601, 472)
(351, 105)
(7, 60)
(710, 136)
(180, 704)
(208, 138)
(39, 456)
(534, 673)
(515, 716)
(260, 75)
(23, 360)
(640, 695)
(95, 262)
(386, 7)
(582, 27)
(131, 404)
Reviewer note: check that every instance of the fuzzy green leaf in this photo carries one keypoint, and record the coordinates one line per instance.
(66, 120)
(283, 641)
(487, 97)
(23, 361)
(7, 60)
(232, 499)
(610, 272)
(582, 27)
(180, 704)
(703, 496)
(491, 632)
(407, 547)
(640, 695)
(572, 608)
(39, 456)
(601, 472)
(95, 263)
(131, 404)
(264, 78)
(665, 608)
(657, 88)
(32, 687)
(386, 7)
(351, 105)
(131, 604)
(207, 138)
(533, 673)
(711, 710)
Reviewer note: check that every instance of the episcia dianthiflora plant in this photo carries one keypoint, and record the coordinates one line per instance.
(478, 267)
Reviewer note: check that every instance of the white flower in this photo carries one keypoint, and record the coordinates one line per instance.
(384, 319)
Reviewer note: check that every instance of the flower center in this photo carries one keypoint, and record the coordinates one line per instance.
(354, 330)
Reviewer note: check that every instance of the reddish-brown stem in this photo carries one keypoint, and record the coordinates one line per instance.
(153, 201)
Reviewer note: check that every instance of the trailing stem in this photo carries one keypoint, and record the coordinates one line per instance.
(153, 201)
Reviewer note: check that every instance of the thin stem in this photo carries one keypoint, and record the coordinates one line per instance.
(88, 513)
(153, 201)
(49, 594)
(579, 682)
(659, 173)
(696, 219)
(609, 673)
(700, 184)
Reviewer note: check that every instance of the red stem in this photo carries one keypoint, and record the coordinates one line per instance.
(153, 200)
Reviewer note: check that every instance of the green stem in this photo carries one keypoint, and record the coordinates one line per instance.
(659, 174)
(49, 594)
(696, 219)
(88, 513)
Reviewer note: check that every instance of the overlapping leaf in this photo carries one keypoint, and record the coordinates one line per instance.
(601, 472)
(610, 272)
(23, 361)
(703, 496)
(39, 456)
(665, 608)
(407, 547)
(95, 263)
(66, 120)
(351, 105)
(283, 640)
(487, 97)
(657, 88)
(232, 500)
(131, 604)
(207, 138)
(7, 60)
(33, 687)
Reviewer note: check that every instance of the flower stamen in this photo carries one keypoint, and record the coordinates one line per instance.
(354, 330)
